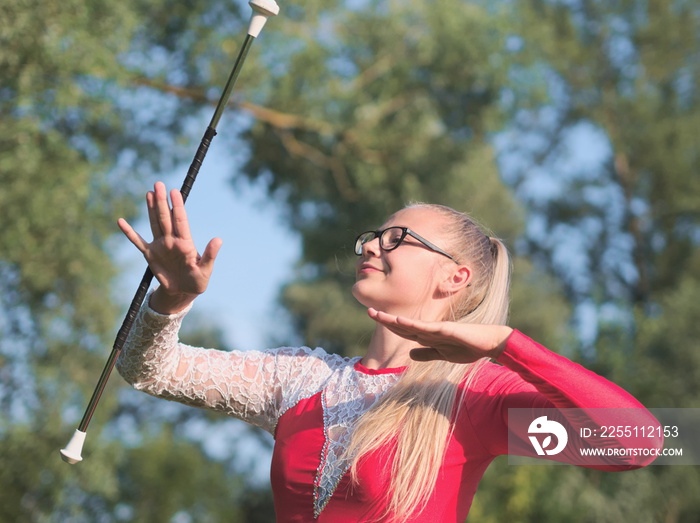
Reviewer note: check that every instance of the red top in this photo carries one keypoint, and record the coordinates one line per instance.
(530, 377)
(310, 401)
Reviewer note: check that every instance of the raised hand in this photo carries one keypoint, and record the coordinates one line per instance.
(446, 340)
(172, 256)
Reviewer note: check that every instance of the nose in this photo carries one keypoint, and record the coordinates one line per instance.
(371, 248)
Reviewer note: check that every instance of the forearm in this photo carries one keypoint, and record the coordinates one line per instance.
(154, 361)
(563, 382)
(584, 399)
(240, 384)
(149, 352)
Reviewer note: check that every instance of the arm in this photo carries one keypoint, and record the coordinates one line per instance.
(541, 381)
(255, 386)
(235, 383)
(564, 383)
(536, 379)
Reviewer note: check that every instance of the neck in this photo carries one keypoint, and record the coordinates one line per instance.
(387, 350)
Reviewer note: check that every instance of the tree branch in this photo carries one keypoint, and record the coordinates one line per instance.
(277, 119)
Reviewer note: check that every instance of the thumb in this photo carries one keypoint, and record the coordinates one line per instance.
(425, 354)
(210, 252)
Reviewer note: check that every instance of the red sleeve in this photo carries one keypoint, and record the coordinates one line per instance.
(537, 379)
(565, 383)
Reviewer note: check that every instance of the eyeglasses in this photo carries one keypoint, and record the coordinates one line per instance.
(391, 237)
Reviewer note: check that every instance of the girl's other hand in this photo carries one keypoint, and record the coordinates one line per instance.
(447, 340)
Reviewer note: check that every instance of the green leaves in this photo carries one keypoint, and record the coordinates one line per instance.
(76, 137)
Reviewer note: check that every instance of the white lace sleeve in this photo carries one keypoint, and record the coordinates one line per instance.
(256, 386)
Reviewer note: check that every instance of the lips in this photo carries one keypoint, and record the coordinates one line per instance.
(367, 268)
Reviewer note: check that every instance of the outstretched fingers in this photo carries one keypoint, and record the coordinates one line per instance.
(406, 327)
(425, 334)
(159, 211)
(167, 218)
(435, 340)
(210, 253)
(180, 224)
(446, 340)
(172, 254)
(153, 215)
(132, 235)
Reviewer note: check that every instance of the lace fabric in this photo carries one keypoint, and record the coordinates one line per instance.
(255, 386)
(347, 396)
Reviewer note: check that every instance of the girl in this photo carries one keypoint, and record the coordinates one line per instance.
(404, 433)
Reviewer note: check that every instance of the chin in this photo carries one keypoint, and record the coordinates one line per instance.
(357, 294)
(363, 297)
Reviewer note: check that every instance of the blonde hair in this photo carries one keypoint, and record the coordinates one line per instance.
(415, 415)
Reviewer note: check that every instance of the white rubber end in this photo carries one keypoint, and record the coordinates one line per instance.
(71, 454)
(262, 10)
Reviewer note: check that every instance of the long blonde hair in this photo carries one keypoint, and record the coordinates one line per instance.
(416, 414)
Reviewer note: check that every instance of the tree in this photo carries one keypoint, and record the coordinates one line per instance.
(617, 222)
(359, 107)
(81, 127)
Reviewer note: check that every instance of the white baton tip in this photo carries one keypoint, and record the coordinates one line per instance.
(262, 10)
(266, 7)
(71, 454)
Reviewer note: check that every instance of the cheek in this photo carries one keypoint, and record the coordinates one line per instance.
(410, 278)
(414, 283)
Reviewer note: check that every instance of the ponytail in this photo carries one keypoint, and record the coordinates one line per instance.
(493, 307)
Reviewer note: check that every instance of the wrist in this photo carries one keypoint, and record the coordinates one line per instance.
(501, 342)
(165, 303)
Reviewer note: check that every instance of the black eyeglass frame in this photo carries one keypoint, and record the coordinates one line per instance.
(405, 231)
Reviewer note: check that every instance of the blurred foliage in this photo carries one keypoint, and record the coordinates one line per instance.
(82, 133)
(570, 128)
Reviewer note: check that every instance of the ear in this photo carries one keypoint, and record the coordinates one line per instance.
(456, 279)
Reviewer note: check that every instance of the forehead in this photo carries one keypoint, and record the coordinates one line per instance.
(419, 219)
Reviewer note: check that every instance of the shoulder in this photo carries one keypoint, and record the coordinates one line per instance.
(309, 355)
(305, 361)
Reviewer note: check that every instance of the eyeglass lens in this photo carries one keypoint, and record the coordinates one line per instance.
(389, 239)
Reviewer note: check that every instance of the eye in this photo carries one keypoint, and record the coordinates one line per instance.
(392, 237)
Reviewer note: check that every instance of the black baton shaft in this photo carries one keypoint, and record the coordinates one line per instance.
(147, 278)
